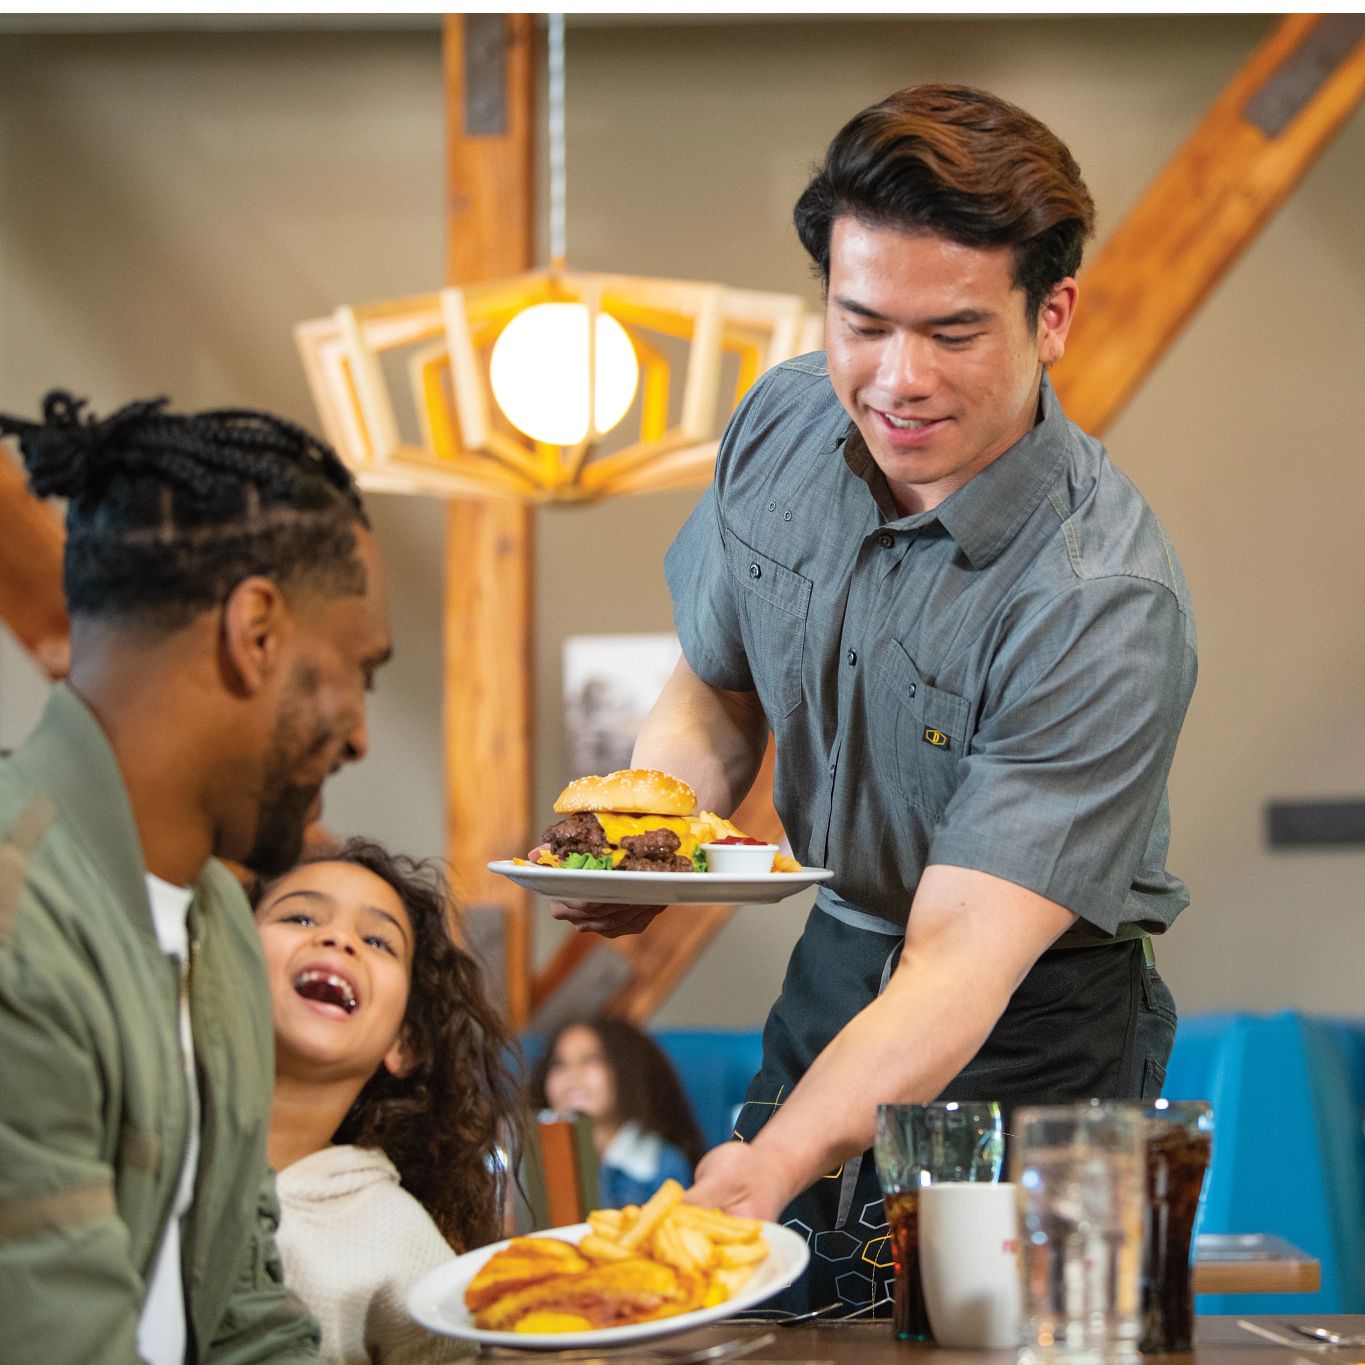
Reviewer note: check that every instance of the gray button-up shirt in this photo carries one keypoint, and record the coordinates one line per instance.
(995, 684)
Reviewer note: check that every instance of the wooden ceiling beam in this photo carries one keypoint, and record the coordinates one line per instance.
(1254, 145)
(490, 543)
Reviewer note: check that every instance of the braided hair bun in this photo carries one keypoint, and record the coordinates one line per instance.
(167, 511)
(63, 453)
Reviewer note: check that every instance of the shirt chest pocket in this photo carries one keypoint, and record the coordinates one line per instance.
(928, 733)
(774, 601)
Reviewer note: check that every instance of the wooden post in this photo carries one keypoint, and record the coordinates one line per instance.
(32, 603)
(1205, 208)
(490, 543)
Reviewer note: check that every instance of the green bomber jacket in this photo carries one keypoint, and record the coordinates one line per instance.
(93, 1095)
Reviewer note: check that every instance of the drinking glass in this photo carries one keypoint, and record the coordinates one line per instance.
(1080, 1173)
(918, 1144)
(1179, 1137)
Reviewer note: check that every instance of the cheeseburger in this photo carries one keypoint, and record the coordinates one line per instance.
(635, 820)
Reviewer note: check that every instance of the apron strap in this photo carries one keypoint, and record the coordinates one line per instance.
(848, 1180)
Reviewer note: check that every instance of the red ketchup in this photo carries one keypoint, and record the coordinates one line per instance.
(739, 839)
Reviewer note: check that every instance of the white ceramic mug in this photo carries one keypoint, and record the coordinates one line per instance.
(968, 1256)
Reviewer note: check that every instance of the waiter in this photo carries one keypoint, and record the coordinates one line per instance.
(973, 645)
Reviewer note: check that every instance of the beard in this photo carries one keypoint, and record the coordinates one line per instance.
(284, 805)
(280, 830)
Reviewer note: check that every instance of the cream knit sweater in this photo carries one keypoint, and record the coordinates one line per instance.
(353, 1244)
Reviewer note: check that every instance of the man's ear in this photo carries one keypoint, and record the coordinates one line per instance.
(396, 1061)
(254, 623)
(1054, 320)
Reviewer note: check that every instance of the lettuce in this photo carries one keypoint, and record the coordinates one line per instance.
(587, 862)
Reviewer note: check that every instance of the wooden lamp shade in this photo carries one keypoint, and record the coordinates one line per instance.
(700, 347)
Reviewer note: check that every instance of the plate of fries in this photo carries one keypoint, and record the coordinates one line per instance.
(625, 1275)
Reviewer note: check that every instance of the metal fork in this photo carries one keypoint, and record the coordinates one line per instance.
(1325, 1336)
(1295, 1343)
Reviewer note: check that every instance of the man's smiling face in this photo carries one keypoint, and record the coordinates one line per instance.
(932, 355)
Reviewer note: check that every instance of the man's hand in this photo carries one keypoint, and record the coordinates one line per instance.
(609, 920)
(741, 1180)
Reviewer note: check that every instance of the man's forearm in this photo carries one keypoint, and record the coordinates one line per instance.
(712, 739)
(905, 1046)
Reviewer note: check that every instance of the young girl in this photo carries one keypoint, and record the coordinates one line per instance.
(392, 1095)
(620, 1078)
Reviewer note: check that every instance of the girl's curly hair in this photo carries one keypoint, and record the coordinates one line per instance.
(450, 1123)
(648, 1090)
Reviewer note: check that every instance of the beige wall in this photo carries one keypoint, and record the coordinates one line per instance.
(171, 204)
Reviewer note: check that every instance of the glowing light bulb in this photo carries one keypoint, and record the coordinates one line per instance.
(539, 372)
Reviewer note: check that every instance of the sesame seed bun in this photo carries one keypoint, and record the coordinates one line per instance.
(644, 791)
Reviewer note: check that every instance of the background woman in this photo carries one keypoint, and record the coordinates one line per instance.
(622, 1080)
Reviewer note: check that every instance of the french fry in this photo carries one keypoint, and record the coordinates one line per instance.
(669, 1248)
(597, 1248)
(740, 1253)
(717, 1225)
(607, 1222)
(652, 1211)
(731, 1279)
(697, 1244)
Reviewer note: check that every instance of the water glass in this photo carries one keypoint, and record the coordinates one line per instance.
(916, 1145)
(1080, 1172)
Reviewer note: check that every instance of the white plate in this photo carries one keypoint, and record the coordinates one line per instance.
(437, 1300)
(659, 888)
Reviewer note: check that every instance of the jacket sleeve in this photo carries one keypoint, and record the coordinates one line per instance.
(264, 1320)
(69, 1288)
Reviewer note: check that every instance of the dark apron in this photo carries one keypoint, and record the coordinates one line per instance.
(1085, 1022)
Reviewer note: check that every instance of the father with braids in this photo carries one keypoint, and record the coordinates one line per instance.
(227, 617)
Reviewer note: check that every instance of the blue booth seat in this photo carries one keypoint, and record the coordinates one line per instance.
(715, 1068)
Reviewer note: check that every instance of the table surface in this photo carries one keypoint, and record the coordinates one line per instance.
(1218, 1341)
(1253, 1263)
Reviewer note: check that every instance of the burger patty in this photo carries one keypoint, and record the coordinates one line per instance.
(654, 843)
(580, 833)
(654, 851)
(637, 864)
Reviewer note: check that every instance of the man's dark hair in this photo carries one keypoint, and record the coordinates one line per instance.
(167, 512)
(961, 164)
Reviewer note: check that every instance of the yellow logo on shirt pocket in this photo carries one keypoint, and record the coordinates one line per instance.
(937, 738)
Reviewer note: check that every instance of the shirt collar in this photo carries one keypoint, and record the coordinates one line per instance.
(633, 1151)
(989, 510)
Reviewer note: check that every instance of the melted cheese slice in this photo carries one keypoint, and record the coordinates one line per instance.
(617, 827)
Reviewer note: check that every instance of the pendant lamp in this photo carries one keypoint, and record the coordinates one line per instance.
(508, 388)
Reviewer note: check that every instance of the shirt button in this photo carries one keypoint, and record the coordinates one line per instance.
(912, 688)
(755, 571)
(786, 516)
(831, 769)
(886, 540)
(772, 507)
(852, 657)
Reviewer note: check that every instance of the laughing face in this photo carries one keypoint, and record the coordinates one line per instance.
(932, 354)
(338, 949)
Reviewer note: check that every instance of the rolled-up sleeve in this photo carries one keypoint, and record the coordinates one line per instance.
(1068, 766)
(705, 609)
